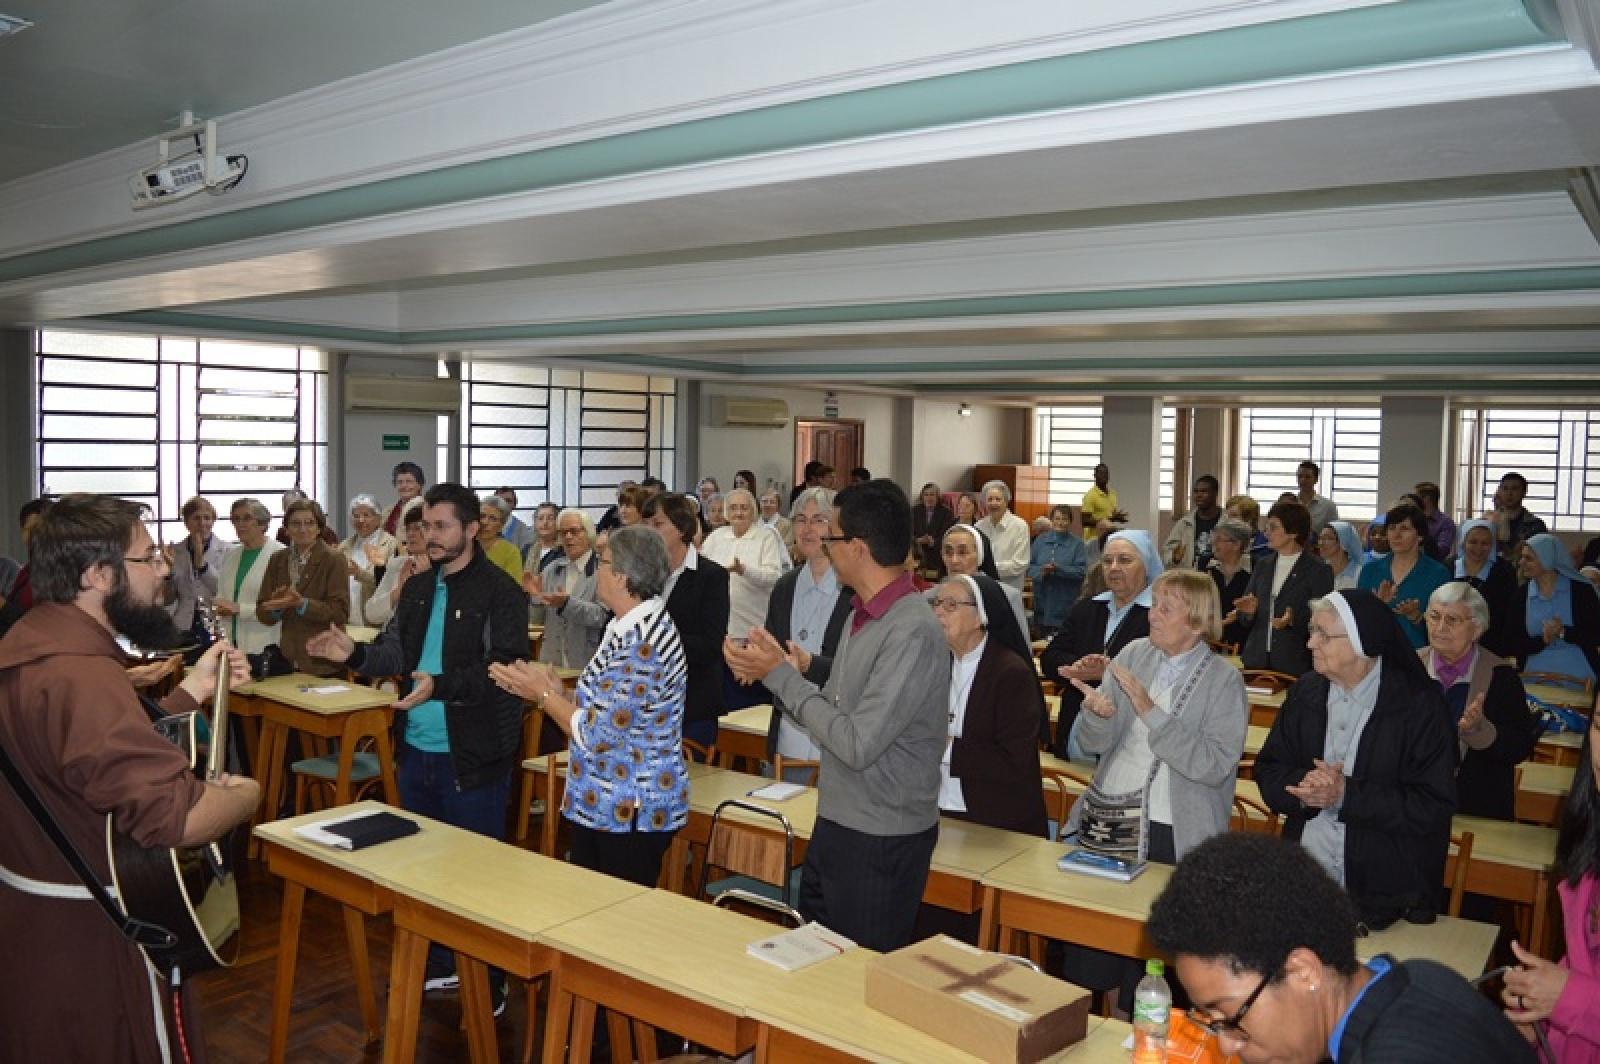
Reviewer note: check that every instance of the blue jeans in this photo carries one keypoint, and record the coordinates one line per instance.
(428, 788)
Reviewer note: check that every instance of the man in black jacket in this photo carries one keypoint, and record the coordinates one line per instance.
(697, 602)
(461, 733)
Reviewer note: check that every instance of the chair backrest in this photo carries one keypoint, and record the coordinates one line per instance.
(1272, 681)
(763, 852)
(758, 905)
(693, 751)
(1456, 866)
(1227, 650)
(1251, 816)
(796, 770)
(1060, 793)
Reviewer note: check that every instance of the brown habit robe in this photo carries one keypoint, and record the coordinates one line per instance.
(76, 989)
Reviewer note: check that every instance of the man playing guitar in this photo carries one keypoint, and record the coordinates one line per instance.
(73, 724)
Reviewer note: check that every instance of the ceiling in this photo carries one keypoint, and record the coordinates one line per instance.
(1214, 200)
(90, 76)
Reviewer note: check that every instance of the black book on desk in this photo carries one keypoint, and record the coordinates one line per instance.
(359, 831)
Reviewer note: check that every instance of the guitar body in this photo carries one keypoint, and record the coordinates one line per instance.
(190, 891)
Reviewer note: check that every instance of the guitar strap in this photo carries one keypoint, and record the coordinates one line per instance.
(139, 932)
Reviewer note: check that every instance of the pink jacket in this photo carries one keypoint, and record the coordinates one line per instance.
(1575, 1023)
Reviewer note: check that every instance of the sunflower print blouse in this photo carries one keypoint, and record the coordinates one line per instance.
(627, 736)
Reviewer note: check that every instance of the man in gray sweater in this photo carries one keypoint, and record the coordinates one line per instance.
(880, 720)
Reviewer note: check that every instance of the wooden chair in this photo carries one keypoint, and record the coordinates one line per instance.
(708, 755)
(1247, 768)
(1456, 867)
(323, 772)
(765, 855)
(807, 771)
(1059, 794)
(532, 728)
(1227, 650)
(1272, 681)
(1250, 815)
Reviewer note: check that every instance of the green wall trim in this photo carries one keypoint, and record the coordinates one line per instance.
(1410, 31)
(1408, 286)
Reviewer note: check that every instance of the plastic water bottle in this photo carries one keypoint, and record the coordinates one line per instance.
(1152, 1010)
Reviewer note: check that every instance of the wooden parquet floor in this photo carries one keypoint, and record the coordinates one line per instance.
(235, 1005)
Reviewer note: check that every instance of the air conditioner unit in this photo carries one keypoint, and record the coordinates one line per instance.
(747, 412)
(421, 395)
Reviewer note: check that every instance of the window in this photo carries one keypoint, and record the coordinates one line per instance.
(1067, 439)
(565, 435)
(1558, 450)
(162, 419)
(1343, 441)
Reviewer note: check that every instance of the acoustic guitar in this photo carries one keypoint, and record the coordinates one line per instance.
(190, 891)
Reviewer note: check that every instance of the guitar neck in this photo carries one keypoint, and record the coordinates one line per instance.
(217, 754)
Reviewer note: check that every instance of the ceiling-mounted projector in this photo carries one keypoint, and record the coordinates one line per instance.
(187, 163)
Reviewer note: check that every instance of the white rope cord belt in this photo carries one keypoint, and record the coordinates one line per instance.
(40, 888)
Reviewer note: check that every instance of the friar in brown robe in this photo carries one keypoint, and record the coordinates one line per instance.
(75, 989)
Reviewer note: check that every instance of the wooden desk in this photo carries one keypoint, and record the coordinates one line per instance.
(1029, 893)
(1264, 706)
(354, 879)
(743, 733)
(1255, 737)
(494, 916)
(1542, 792)
(1560, 696)
(819, 1015)
(283, 704)
(1562, 748)
(663, 960)
(964, 852)
(1512, 861)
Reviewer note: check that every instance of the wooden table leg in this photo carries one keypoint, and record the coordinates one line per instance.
(582, 1050)
(557, 1020)
(263, 769)
(986, 928)
(353, 731)
(477, 1007)
(406, 970)
(355, 933)
(677, 859)
(294, 900)
(1541, 912)
(525, 787)
(384, 748)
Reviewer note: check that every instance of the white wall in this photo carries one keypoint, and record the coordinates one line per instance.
(911, 442)
(946, 445)
(769, 453)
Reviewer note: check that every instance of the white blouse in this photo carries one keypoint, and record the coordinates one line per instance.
(758, 551)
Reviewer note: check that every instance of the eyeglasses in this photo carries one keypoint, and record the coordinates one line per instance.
(1321, 633)
(1229, 1025)
(154, 559)
(950, 605)
(1445, 621)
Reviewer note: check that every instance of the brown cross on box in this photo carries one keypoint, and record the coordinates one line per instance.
(983, 980)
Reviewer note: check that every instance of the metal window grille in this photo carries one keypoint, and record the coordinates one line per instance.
(1343, 441)
(161, 419)
(569, 436)
(1558, 450)
(1067, 439)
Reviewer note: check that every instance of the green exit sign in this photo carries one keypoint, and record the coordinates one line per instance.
(396, 442)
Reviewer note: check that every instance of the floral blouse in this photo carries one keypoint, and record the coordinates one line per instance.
(627, 735)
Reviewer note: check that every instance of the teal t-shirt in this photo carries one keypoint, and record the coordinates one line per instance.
(425, 728)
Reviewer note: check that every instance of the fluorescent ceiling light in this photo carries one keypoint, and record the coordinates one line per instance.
(10, 24)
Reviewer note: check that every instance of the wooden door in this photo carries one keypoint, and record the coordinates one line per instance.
(830, 441)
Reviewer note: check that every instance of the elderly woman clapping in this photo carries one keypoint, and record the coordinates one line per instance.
(574, 618)
(1168, 723)
(627, 791)
(1361, 761)
(1098, 628)
(367, 550)
(990, 770)
(1485, 698)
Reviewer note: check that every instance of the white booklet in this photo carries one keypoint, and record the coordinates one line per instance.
(778, 792)
(803, 946)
